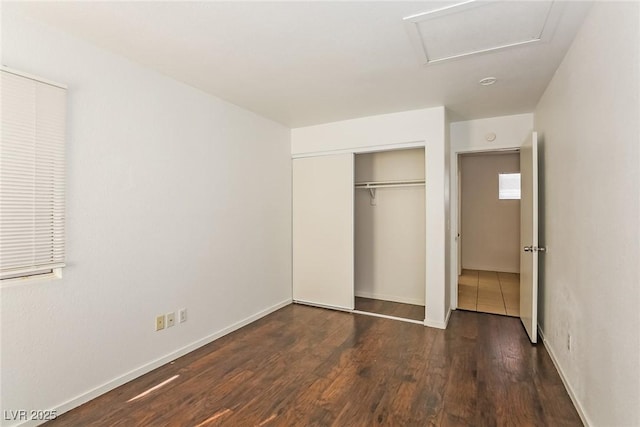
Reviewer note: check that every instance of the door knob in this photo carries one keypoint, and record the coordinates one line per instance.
(528, 248)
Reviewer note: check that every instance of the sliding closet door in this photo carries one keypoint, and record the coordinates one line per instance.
(323, 234)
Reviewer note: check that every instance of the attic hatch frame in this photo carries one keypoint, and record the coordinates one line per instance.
(412, 25)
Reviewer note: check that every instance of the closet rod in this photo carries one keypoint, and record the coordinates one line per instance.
(387, 184)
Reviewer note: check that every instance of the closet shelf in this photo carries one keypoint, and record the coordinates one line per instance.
(388, 184)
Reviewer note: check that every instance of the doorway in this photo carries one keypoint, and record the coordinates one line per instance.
(489, 239)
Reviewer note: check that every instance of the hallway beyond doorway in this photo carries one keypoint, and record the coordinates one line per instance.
(489, 292)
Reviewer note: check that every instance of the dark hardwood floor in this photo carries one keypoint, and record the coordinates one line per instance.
(390, 308)
(305, 366)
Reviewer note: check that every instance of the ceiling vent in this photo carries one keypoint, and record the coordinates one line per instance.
(475, 27)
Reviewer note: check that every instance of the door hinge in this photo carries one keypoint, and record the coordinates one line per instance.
(535, 249)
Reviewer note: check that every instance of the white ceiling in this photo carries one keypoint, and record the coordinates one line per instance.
(303, 63)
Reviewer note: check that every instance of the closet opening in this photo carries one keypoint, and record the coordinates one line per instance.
(390, 241)
(489, 236)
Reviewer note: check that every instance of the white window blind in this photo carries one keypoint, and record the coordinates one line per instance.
(32, 175)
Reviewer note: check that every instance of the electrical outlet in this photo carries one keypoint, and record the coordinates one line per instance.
(171, 319)
(182, 315)
(160, 322)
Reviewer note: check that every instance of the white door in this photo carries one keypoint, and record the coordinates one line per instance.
(323, 232)
(529, 236)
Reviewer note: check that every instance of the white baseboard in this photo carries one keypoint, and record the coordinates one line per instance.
(567, 386)
(394, 298)
(438, 324)
(148, 367)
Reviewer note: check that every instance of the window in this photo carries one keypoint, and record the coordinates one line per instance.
(32, 165)
(509, 186)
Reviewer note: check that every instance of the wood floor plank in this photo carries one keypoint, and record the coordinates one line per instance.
(315, 367)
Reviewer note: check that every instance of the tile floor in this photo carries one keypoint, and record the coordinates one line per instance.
(489, 292)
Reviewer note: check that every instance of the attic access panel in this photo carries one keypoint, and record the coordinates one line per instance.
(475, 27)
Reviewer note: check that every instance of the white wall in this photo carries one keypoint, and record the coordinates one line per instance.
(510, 131)
(174, 199)
(427, 127)
(447, 216)
(390, 235)
(588, 120)
(490, 235)
(469, 137)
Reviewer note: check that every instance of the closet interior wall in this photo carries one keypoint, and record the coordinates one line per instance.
(390, 228)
